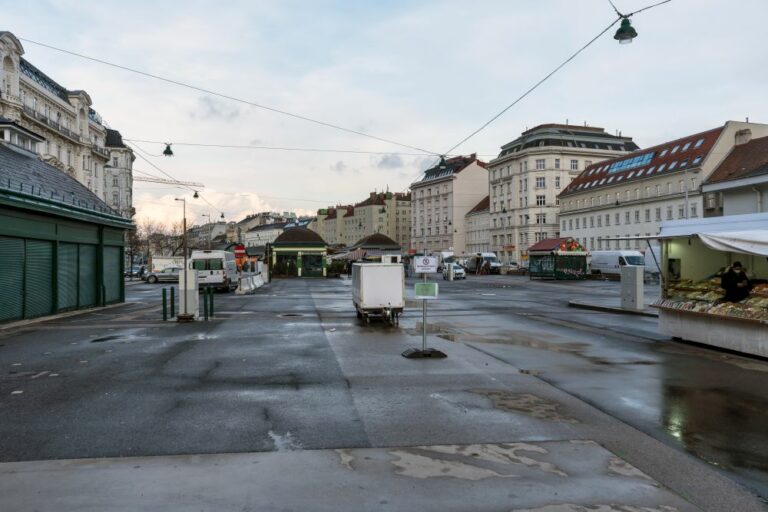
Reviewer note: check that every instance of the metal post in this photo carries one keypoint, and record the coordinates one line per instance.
(186, 317)
(165, 306)
(205, 304)
(210, 301)
(173, 302)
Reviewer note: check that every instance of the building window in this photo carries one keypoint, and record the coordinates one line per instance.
(681, 211)
(570, 224)
(669, 213)
(541, 181)
(599, 221)
(557, 181)
(114, 181)
(577, 223)
(607, 219)
(648, 215)
(618, 219)
(637, 216)
(626, 217)
(541, 200)
(574, 165)
(540, 164)
(658, 214)
(563, 228)
(694, 212)
(541, 218)
(557, 163)
(591, 222)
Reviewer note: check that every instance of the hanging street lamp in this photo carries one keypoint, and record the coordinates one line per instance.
(167, 151)
(626, 32)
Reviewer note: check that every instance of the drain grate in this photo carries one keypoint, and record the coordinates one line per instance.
(290, 314)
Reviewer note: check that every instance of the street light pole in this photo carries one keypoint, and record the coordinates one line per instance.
(210, 228)
(184, 228)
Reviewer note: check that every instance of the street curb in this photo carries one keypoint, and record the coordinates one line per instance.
(30, 321)
(609, 309)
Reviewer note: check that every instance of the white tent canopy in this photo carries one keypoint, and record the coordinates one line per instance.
(743, 242)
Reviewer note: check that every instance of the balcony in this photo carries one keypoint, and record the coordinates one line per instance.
(100, 151)
(50, 123)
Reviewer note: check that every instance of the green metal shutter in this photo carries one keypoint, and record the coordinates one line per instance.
(38, 282)
(112, 275)
(11, 278)
(67, 278)
(87, 277)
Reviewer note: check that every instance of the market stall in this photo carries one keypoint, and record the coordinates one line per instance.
(693, 305)
(558, 258)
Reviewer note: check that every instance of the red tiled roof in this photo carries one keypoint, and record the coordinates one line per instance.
(350, 212)
(484, 204)
(744, 160)
(551, 244)
(660, 160)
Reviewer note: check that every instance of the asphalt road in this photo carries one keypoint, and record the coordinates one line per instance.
(290, 368)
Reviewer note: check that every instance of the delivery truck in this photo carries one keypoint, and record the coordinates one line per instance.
(378, 289)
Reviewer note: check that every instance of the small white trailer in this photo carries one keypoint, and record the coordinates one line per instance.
(378, 289)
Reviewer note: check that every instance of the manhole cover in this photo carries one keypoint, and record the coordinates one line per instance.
(290, 314)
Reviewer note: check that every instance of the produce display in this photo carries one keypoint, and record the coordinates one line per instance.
(706, 297)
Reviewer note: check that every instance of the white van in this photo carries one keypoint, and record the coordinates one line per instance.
(215, 268)
(610, 262)
(479, 258)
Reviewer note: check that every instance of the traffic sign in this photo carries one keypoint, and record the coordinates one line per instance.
(425, 291)
(425, 265)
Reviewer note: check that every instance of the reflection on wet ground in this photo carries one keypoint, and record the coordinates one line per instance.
(711, 403)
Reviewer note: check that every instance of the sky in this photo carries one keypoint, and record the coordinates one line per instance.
(422, 73)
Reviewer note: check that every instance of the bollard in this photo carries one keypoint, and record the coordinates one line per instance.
(205, 304)
(165, 306)
(173, 302)
(210, 305)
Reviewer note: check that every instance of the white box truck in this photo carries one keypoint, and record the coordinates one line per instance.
(378, 289)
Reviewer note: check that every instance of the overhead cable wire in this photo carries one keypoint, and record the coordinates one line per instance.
(276, 148)
(229, 97)
(551, 73)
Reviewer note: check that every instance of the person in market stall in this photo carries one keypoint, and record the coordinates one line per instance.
(735, 283)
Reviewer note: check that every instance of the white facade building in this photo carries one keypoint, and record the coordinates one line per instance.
(118, 175)
(441, 200)
(74, 134)
(529, 173)
(477, 224)
(739, 185)
(264, 234)
(613, 202)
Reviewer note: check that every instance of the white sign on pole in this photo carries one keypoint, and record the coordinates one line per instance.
(425, 265)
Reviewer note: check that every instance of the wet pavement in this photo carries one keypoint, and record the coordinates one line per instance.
(291, 370)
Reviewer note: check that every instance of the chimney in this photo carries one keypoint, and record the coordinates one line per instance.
(743, 136)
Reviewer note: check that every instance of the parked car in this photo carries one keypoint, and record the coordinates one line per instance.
(168, 274)
(133, 271)
(458, 271)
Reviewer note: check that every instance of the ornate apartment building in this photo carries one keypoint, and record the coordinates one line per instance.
(76, 141)
(614, 202)
(387, 213)
(441, 199)
(529, 173)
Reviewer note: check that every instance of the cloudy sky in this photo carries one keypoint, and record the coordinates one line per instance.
(423, 73)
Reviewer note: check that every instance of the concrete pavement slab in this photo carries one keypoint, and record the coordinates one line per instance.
(562, 476)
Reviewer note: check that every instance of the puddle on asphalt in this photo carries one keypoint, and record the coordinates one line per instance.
(102, 339)
(470, 462)
(525, 403)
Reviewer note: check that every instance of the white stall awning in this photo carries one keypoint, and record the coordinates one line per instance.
(744, 242)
